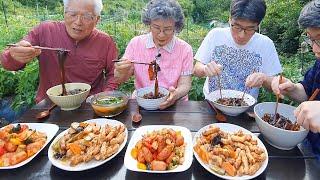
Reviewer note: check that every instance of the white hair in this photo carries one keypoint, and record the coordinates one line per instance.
(97, 6)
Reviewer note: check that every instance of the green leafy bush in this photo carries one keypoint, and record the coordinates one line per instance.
(8, 83)
(207, 10)
(26, 87)
(280, 24)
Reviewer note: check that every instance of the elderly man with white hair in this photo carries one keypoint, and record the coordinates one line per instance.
(91, 51)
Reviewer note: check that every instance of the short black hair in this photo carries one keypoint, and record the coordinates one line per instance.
(310, 15)
(253, 10)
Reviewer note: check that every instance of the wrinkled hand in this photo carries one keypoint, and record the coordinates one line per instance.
(256, 79)
(123, 70)
(212, 69)
(308, 114)
(284, 88)
(173, 96)
(24, 53)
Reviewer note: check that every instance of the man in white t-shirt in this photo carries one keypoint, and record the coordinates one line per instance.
(238, 54)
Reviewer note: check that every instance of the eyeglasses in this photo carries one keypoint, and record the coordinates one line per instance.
(238, 28)
(86, 17)
(311, 42)
(166, 31)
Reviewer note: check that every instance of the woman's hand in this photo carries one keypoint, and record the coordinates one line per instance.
(24, 53)
(172, 98)
(123, 70)
(308, 115)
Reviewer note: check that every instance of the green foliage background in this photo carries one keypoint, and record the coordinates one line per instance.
(121, 19)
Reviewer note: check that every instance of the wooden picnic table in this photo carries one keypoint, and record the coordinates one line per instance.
(298, 163)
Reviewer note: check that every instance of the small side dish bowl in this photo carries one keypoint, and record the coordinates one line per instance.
(109, 103)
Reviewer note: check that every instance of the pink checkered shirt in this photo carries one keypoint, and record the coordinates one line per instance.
(176, 60)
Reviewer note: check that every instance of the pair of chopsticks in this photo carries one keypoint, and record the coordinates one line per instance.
(277, 95)
(246, 89)
(39, 47)
(134, 62)
(219, 86)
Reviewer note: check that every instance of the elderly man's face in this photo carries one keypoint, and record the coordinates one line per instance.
(80, 19)
(314, 35)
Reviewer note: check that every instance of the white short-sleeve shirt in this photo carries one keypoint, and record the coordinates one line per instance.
(238, 61)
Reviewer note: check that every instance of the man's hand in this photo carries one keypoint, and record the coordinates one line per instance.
(308, 115)
(172, 97)
(212, 69)
(256, 79)
(24, 53)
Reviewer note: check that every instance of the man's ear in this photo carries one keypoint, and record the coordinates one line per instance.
(98, 19)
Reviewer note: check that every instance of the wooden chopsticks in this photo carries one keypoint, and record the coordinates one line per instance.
(277, 103)
(219, 86)
(246, 88)
(314, 94)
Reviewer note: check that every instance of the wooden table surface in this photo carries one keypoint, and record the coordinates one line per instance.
(298, 163)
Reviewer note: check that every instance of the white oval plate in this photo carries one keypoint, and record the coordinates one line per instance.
(93, 163)
(131, 163)
(230, 128)
(49, 129)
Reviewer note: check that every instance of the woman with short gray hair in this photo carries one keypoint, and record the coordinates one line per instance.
(174, 56)
(164, 10)
(241, 56)
(308, 112)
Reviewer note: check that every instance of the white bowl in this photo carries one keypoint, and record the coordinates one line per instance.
(228, 93)
(277, 137)
(151, 104)
(69, 102)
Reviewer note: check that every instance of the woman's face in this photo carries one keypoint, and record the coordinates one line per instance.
(162, 31)
(242, 30)
(314, 35)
